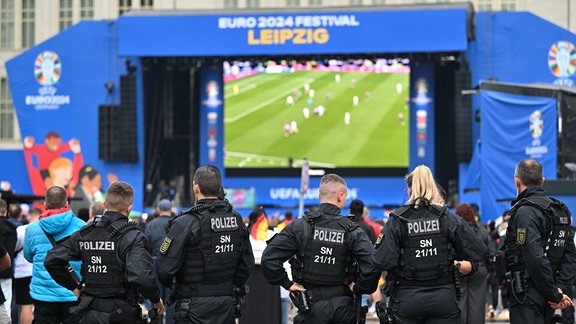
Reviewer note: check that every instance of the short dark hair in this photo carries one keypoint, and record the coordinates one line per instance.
(529, 171)
(83, 214)
(441, 190)
(288, 214)
(56, 197)
(119, 196)
(97, 208)
(357, 207)
(209, 179)
(15, 210)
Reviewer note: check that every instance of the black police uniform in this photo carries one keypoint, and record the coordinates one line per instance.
(116, 268)
(207, 253)
(540, 256)
(323, 250)
(416, 247)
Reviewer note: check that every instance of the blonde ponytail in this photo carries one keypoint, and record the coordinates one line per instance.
(422, 186)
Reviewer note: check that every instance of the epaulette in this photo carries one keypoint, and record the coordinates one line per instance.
(348, 224)
(123, 228)
(401, 211)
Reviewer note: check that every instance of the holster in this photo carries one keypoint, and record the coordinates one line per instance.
(301, 301)
(386, 314)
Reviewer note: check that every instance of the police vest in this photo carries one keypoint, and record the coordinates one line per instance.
(102, 269)
(426, 253)
(213, 261)
(554, 238)
(324, 258)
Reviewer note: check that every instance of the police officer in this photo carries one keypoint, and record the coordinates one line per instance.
(540, 252)
(116, 265)
(323, 247)
(206, 255)
(416, 247)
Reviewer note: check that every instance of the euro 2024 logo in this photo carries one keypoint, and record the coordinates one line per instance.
(536, 130)
(47, 71)
(562, 62)
(47, 68)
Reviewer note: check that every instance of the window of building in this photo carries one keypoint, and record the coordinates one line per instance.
(315, 3)
(124, 6)
(252, 3)
(8, 127)
(28, 23)
(355, 2)
(7, 23)
(292, 3)
(418, 1)
(378, 2)
(230, 3)
(86, 9)
(147, 4)
(484, 5)
(65, 15)
(508, 5)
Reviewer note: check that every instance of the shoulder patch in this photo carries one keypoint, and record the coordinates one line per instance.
(165, 245)
(379, 239)
(521, 236)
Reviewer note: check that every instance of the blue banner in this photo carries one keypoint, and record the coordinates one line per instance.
(57, 89)
(308, 33)
(513, 128)
(211, 116)
(422, 105)
(286, 191)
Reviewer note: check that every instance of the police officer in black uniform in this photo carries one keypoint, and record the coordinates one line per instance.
(418, 247)
(206, 255)
(116, 264)
(539, 249)
(323, 247)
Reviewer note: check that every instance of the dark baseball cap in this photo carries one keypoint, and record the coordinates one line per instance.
(164, 205)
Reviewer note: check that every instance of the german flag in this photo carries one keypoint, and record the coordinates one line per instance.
(259, 230)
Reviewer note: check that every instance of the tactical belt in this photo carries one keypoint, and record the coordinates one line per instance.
(446, 279)
(321, 293)
(204, 290)
(106, 305)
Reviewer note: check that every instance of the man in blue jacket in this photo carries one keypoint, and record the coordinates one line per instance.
(51, 301)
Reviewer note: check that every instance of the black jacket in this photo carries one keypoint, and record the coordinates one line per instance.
(534, 223)
(8, 237)
(185, 231)
(465, 242)
(132, 249)
(289, 242)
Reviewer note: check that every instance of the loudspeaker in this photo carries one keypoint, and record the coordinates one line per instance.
(127, 133)
(567, 139)
(105, 131)
(463, 115)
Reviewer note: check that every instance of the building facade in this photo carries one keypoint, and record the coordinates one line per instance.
(24, 23)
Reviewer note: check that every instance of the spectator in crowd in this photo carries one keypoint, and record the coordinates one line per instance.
(23, 272)
(366, 215)
(155, 232)
(15, 213)
(96, 210)
(8, 238)
(84, 214)
(473, 304)
(356, 210)
(5, 262)
(51, 301)
(287, 220)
